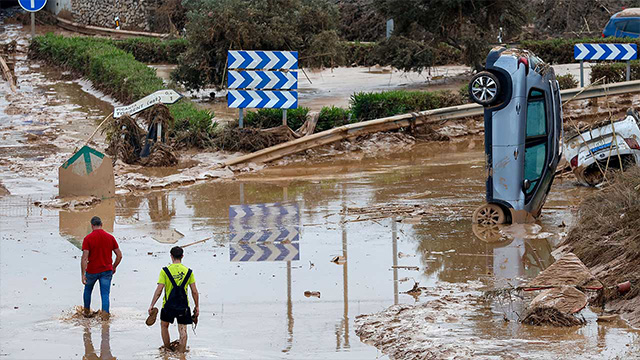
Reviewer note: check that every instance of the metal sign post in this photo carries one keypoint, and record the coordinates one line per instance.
(611, 52)
(32, 6)
(253, 81)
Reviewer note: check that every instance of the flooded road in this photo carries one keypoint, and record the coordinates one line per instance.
(253, 305)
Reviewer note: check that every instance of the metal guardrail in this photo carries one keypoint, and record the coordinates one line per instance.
(412, 119)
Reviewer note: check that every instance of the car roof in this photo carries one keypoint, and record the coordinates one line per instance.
(626, 13)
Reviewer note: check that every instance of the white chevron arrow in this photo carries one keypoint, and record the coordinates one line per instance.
(630, 52)
(237, 79)
(291, 60)
(238, 100)
(237, 59)
(273, 99)
(273, 80)
(614, 51)
(583, 51)
(290, 100)
(273, 60)
(599, 51)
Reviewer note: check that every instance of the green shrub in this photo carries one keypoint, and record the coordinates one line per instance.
(331, 117)
(113, 71)
(567, 81)
(368, 106)
(150, 50)
(615, 72)
(269, 118)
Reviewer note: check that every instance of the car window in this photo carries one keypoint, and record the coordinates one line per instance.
(534, 162)
(633, 27)
(620, 25)
(536, 115)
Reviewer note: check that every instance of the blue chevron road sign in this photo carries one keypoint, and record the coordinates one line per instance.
(271, 60)
(620, 52)
(252, 74)
(262, 99)
(264, 232)
(262, 80)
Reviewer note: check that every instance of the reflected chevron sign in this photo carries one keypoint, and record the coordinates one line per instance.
(262, 80)
(271, 60)
(605, 51)
(264, 252)
(264, 232)
(262, 99)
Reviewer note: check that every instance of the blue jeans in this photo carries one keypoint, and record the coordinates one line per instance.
(105, 287)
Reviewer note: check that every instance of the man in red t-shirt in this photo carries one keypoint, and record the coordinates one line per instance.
(96, 263)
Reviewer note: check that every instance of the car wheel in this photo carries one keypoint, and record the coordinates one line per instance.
(484, 88)
(489, 214)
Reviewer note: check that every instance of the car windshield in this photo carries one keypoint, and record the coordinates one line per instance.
(536, 140)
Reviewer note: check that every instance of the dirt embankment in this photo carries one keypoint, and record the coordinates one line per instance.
(606, 238)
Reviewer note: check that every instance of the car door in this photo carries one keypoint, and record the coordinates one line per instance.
(536, 141)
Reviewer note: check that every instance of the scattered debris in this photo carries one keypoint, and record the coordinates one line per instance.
(416, 290)
(403, 255)
(124, 137)
(312, 294)
(166, 236)
(3, 190)
(68, 203)
(339, 260)
(161, 155)
(607, 318)
(406, 267)
(566, 271)
(556, 307)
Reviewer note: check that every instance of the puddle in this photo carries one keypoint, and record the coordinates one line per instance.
(253, 301)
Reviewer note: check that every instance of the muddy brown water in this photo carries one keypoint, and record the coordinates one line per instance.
(257, 309)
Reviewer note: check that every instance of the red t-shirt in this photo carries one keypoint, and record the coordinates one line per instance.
(100, 245)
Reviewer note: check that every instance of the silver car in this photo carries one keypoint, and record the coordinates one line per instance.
(523, 128)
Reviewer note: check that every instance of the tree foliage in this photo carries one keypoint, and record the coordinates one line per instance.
(216, 26)
(467, 25)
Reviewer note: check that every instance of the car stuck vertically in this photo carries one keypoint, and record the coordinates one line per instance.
(523, 128)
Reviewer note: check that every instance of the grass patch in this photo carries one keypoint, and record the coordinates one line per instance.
(270, 118)
(117, 73)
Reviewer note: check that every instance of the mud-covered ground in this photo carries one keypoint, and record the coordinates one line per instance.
(393, 210)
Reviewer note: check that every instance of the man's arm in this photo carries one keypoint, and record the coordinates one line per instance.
(118, 259)
(196, 299)
(83, 266)
(156, 296)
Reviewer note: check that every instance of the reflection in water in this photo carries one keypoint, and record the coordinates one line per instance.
(160, 210)
(394, 249)
(342, 328)
(75, 225)
(105, 347)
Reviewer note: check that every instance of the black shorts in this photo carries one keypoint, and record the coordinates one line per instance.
(184, 318)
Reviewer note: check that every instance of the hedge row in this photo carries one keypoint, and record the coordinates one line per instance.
(115, 72)
(153, 50)
(560, 51)
(615, 72)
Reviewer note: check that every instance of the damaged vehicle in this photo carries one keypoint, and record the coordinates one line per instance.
(523, 128)
(611, 145)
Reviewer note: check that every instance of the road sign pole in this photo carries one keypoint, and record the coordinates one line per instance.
(284, 117)
(240, 116)
(581, 73)
(33, 25)
(628, 70)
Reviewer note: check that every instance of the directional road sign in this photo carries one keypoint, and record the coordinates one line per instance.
(271, 60)
(262, 80)
(262, 99)
(87, 173)
(621, 52)
(264, 252)
(32, 5)
(161, 96)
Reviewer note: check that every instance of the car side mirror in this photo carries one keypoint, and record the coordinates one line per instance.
(526, 185)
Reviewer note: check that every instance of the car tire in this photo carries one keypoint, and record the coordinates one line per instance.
(489, 214)
(484, 88)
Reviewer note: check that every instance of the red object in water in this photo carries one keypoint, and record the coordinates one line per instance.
(624, 287)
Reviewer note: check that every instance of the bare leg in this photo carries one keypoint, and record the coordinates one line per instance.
(182, 329)
(164, 330)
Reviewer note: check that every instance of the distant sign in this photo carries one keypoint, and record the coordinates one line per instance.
(605, 51)
(160, 96)
(32, 5)
(87, 173)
